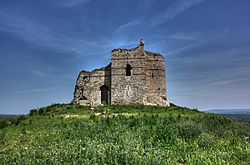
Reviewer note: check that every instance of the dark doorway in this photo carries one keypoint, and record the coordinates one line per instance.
(105, 95)
(128, 70)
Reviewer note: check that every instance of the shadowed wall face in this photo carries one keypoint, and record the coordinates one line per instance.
(93, 88)
(155, 78)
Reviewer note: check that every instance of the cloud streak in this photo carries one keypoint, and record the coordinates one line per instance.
(127, 26)
(183, 36)
(71, 3)
(29, 30)
(42, 34)
(195, 40)
(38, 73)
(171, 12)
(229, 81)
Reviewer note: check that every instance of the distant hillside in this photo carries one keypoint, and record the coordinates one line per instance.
(241, 114)
(9, 115)
(229, 111)
(7, 120)
(243, 117)
(68, 134)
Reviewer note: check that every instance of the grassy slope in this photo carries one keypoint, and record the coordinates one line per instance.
(125, 135)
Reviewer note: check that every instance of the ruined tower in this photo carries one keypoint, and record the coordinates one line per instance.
(135, 76)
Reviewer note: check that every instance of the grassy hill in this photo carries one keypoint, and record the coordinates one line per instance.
(68, 134)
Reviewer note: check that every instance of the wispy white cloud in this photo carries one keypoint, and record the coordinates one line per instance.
(38, 73)
(41, 34)
(216, 62)
(192, 36)
(127, 26)
(28, 30)
(71, 3)
(116, 41)
(187, 47)
(171, 12)
(34, 90)
(229, 81)
(196, 39)
(221, 56)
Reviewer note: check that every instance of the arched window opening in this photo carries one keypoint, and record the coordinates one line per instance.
(83, 98)
(128, 70)
(85, 78)
(153, 75)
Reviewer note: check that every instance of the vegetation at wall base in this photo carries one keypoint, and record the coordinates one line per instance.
(69, 134)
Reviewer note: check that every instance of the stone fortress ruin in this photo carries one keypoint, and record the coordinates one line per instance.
(134, 76)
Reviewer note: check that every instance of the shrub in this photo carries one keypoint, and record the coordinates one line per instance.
(4, 123)
(2, 137)
(33, 112)
(190, 130)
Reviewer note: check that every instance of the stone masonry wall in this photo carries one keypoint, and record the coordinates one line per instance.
(88, 86)
(135, 76)
(128, 89)
(156, 79)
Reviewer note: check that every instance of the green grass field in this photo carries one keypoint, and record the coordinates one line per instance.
(68, 134)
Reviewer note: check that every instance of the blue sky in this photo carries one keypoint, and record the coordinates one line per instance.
(45, 43)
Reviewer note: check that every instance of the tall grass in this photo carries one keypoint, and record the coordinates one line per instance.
(68, 134)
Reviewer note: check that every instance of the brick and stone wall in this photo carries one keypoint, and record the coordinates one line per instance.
(134, 76)
(128, 89)
(90, 86)
(156, 79)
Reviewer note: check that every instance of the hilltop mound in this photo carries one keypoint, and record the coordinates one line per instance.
(124, 135)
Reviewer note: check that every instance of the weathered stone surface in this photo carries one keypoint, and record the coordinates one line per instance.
(135, 76)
